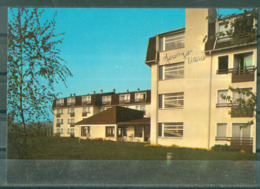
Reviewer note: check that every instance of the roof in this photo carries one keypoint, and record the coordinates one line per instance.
(141, 122)
(113, 115)
(96, 99)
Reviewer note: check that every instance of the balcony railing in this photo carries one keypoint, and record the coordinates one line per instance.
(86, 102)
(59, 104)
(124, 101)
(139, 100)
(219, 105)
(72, 125)
(245, 143)
(240, 74)
(56, 134)
(72, 135)
(84, 114)
(72, 114)
(106, 102)
(58, 124)
(236, 111)
(58, 115)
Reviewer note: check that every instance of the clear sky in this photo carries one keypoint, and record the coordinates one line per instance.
(106, 48)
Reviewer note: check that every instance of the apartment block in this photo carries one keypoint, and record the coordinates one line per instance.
(189, 76)
(73, 109)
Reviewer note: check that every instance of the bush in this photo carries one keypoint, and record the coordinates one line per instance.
(223, 148)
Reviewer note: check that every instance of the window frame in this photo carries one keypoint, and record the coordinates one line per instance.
(226, 131)
(162, 71)
(171, 36)
(161, 129)
(112, 128)
(218, 68)
(162, 100)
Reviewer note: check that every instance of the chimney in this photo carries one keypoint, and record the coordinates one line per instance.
(127, 91)
(94, 92)
(114, 91)
(74, 94)
(70, 95)
(101, 91)
(138, 89)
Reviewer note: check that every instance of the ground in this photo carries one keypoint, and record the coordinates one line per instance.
(73, 149)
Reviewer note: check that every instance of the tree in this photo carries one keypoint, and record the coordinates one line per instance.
(241, 30)
(34, 65)
(244, 105)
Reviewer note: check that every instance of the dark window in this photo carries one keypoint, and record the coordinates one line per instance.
(223, 65)
(138, 132)
(110, 131)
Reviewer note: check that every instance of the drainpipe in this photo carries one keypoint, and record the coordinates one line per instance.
(210, 87)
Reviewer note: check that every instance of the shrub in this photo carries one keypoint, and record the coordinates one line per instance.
(223, 148)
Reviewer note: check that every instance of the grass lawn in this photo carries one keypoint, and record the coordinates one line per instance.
(71, 149)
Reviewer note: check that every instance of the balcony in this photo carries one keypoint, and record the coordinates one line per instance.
(240, 74)
(57, 134)
(72, 135)
(245, 143)
(72, 114)
(58, 124)
(124, 101)
(140, 100)
(59, 104)
(84, 114)
(237, 112)
(86, 102)
(72, 125)
(58, 115)
(106, 102)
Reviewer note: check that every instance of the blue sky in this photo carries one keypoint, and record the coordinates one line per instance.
(106, 48)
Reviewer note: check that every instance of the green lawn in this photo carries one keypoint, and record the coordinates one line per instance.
(71, 149)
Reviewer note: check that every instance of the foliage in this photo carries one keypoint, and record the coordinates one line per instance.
(240, 30)
(34, 65)
(223, 148)
(245, 105)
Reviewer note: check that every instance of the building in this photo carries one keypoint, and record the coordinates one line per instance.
(189, 76)
(70, 110)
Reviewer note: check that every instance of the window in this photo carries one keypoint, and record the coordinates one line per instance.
(61, 131)
(70, 110)
(220, 94)
(142, 107)
(236, 95)
(60, 102)
(170, 129)
(106, 99)
(68, 121)
(71, 100)
(171, 42)
(223, 65)
(85, 131)
(140, 96)
(72, 131)
(223, 27)
(221, 130)
(72, 121)
(86, 99)
(68, 131)
(171, 71)
(171, 100)
(242, 61)
(86, 109)
(125, 97)
(60, 121)
(138, 132)
(238, 132)
(58, 130)
(110, 131)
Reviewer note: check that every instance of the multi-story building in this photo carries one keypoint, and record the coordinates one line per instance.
(70, 110)
(189, 78)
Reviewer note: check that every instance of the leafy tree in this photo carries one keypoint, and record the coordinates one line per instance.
(34, 65)
(246, 105)
(242, 30)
